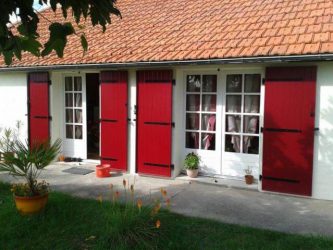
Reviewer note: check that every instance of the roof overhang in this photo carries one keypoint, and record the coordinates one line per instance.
(239, 60)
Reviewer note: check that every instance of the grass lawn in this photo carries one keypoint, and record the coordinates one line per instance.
(73, 223)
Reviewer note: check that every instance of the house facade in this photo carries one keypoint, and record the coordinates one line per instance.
(243, 89)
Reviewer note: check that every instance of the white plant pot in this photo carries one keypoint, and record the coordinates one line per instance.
(193, 173)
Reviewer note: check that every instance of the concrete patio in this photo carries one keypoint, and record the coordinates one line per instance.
(222, 201)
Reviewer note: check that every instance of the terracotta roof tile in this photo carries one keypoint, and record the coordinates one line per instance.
(170, 30)
(311, 48)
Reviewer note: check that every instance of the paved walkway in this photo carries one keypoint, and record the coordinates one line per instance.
(230, 205)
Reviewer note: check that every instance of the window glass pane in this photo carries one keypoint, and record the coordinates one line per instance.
(192, 121)
(69, 100)
(209, 103)
(69, 116)
(192, 140)
(251, 144)
(78, 116)
(232, 143)
(252, 83)
(251, 104)
(69, 131)
(208, 141)
(208, 122)
(68, 84)
(193, 103)
(78, 132)
(78, 100)
(209, 83)
(234, 103)
(251, 124)
(234, 83)
(77, 84)
(233, 123)
(193, 83)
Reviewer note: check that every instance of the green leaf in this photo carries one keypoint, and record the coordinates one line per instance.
(58, 38)
(84, 43)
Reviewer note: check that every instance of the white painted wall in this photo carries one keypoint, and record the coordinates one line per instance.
(13, 101)
(323, 151)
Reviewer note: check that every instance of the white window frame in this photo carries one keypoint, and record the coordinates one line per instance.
(241, 160)
(210, 159)
(75, 147)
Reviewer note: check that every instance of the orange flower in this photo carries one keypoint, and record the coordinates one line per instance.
(168, 203)
(139, 203)
(158, 224)
(117, 194)
(165, 193)
(124, 183)
(156, 209)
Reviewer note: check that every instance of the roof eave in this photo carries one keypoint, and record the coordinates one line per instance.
(238, 60)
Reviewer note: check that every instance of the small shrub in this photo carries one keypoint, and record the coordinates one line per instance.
(136, 221)
(192, 161)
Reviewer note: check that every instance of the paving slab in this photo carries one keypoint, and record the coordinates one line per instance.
(227, 204)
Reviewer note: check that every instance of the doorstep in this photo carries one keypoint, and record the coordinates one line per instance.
(220, 181)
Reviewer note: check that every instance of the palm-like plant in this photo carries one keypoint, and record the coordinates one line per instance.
(28, 161)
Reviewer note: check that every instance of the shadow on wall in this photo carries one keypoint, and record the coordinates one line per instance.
(324, 139)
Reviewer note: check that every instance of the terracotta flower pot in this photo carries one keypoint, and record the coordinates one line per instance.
(193, 173)
(103, 170)
(249, 179)
(31, 205)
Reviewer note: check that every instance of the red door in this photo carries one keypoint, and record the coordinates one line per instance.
(154, 122)
(38, 109)
(114, 119)
(288, 133)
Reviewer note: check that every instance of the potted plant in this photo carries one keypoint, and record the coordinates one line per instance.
(27, 163)
(248, 176)
(191, 164)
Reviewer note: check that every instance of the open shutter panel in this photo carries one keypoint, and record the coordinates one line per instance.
(288, 133)
(114, 119)
(154, 123)
(39, 110)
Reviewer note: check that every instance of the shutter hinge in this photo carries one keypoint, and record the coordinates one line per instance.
(260, 177)
(174, 82)
(173, 124)
(261, 129)
(172, 166)
(263, 81)
(50, 82)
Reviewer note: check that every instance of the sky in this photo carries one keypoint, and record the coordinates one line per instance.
(36, 5)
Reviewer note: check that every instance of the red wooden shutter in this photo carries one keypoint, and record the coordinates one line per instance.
(39, 110)
(289, 130)
(154, 122)
(114, 119)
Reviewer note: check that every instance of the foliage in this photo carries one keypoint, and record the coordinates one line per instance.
(248, 171)
(28, 162)
(75, 223)
(192, 161)
(132, 222)
(9, 137)
(23, 189)
(14, 41)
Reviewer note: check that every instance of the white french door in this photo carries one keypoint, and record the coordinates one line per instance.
(203, 113)
(74, 136)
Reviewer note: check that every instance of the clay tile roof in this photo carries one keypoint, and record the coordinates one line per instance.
(172, 30)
